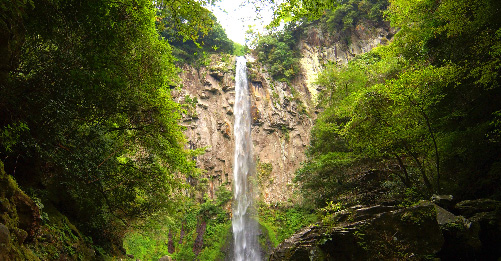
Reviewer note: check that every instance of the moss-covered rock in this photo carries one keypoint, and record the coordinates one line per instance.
(19, 220)
(24, 237)
(378, 232)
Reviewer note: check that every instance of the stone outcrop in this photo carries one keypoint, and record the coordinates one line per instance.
(23, 235)
(279, 132)
(319, 47)
(381, 232)
(368, 233)
(282, 113)
(475, 233)
(19, 219)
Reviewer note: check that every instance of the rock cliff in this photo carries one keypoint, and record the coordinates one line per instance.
(282, 113)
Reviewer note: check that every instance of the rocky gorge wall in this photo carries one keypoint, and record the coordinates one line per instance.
(282, 113)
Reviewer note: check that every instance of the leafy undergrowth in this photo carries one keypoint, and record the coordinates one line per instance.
(59, 239)
(281, 222)
(153, 243)
(151, 240)
(38, 231)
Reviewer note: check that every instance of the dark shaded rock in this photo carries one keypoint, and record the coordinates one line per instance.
(320, 243)
(475, 238)
(468, 208)
(462, 240)
(28, 213)
(4, 242)
(382, 233)
(256, 116)
(444, 201)
(489, 234)
(4, 237)
(402, 234)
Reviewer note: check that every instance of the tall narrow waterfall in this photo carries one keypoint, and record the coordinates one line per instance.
(245, 229)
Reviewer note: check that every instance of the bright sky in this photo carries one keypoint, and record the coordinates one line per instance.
(236, 18)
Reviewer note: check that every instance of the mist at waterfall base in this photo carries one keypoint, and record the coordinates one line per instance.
(245, 228)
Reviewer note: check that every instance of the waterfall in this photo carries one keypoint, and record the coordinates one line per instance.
(245, 228)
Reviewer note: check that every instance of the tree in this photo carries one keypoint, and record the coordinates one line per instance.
(418, 101)
(88, 104)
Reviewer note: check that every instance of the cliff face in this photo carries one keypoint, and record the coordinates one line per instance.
(282, 113)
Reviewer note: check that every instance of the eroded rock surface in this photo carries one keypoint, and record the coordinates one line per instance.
(420, 232)
(371, 233)
(282, 113)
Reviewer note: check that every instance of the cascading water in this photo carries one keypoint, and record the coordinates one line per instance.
(245, 229)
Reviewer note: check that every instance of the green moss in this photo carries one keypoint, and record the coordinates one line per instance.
(285, 133)
(268, 234)
(215, 241)
(57, 238)
(264, 171)
(419, 215)
(283, 221)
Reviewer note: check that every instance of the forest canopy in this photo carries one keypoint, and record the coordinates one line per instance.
(86, 116)
(423, 107)
(88, 123)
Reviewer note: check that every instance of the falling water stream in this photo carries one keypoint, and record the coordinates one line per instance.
(245, 228)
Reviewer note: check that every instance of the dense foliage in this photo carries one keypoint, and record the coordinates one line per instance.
(188, 50)
(423, 108)
(86, 116)
(282, 221)
(89, 128)
(151, 241)
(279, 51)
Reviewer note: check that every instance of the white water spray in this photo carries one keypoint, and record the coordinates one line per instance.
(245, 230)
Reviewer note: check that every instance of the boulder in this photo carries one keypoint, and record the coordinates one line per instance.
(444, 201)
(462, 240)
(443, 216)
(381, 233)
(489, 234)
(4, 236)
(468, 208)
(165, 258)
(4, 242)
